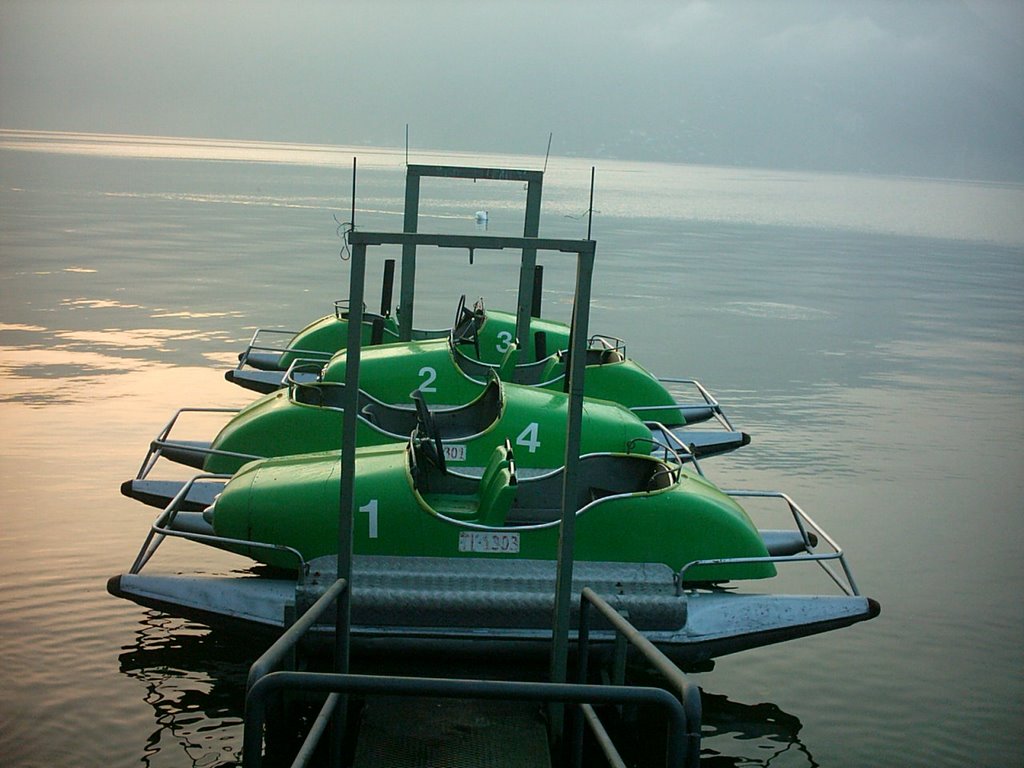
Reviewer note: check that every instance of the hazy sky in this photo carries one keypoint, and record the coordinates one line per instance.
(929, 88)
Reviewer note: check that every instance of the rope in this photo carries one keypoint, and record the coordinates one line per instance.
(342, 231)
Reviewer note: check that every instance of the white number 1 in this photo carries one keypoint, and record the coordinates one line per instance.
(371, 507)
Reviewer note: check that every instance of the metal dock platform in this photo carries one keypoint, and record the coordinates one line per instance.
(398, 732)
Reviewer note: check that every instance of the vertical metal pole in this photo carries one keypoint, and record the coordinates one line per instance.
(352, 216)
(538, 292)
(567, 531)
(409, 224)
(347, 496)
(590, 209)
(531, 228)
(387, 287)
(347, 479)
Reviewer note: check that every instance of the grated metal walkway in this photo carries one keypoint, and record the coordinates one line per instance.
(398, 732)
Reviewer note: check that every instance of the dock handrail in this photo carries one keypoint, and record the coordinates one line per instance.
(265, 679)
(687, 694)
(271, 659)
(453, 688)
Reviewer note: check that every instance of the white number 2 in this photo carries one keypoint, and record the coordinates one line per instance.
(528, 437)
(429, 376)
(371, 507)
(506, 342)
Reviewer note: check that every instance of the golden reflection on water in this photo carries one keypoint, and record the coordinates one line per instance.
(66, 529)
(151, 339)
(70, 441)
(97, 303)
(197, 315)
(96, 417)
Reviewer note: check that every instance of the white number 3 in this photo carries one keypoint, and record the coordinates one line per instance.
(506, 342)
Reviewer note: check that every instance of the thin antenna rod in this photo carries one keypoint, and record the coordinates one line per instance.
(406, 145)
(590, 211)
(548, 153)
(352, 219)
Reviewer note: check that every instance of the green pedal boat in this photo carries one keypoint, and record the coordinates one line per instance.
(322, 338)
(440, 369)
(306, 418)
(442, 557)
(630, 508)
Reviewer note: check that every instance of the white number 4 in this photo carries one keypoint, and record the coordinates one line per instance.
(528, 437)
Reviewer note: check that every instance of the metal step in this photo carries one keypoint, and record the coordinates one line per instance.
(402, 732)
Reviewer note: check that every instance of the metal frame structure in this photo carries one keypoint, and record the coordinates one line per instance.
(534, 181)
(584, 250)
(531, 229)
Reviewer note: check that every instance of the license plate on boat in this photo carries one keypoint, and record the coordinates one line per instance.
(506, 543)
(454, 452)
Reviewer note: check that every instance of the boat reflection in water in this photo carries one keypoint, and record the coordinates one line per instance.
(737, 734)
(194, 679)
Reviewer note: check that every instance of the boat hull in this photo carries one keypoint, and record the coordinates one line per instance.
(411, 603)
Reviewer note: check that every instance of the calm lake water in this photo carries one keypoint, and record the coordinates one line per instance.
(868, 332)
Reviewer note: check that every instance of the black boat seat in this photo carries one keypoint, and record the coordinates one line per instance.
(612, 356)
(391, 419)
(369, 412)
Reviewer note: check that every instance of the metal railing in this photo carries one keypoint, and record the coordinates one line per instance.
(305, 366)
(266, 680)
(255, 345)
(607, 343)
(709, 402)
(805, 525)
(163, 441)
(684, 736)
(316, 386)
(162, 528)
(670, 449)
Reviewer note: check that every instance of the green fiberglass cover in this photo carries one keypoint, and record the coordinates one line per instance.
(496, 330)
(631, 508)
(441, 371)
(308, 418)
